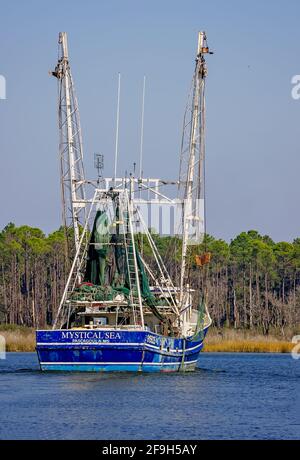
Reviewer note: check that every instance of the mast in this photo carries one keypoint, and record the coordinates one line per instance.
(70, 148)
(117, 129)
(191, 179)
(142, 130)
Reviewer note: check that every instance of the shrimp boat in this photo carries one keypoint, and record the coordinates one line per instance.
(125, 308)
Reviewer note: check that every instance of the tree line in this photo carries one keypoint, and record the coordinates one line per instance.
(251, 282)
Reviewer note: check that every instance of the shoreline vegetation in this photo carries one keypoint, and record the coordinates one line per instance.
(22, 339)
(251, 285)
(245, 341)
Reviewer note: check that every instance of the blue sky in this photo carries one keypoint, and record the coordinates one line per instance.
(253, 124)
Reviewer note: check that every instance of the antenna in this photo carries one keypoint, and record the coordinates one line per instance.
(142, 130)
(99, 164)
(117, 128)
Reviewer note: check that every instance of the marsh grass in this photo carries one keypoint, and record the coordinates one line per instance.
(19, 338)
(230, 340)
(249, 346)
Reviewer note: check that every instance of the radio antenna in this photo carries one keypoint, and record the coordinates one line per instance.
(142, 130)
(99, 165)
(117, 128)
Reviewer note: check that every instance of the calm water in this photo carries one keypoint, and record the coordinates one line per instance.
(235, 396)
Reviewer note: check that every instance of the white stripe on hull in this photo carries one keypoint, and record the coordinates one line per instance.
(173, 350)
(114, 363)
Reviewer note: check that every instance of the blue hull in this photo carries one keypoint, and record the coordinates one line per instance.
(115, 350)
